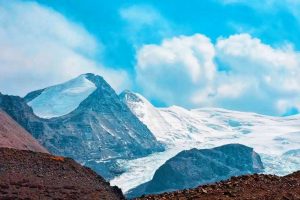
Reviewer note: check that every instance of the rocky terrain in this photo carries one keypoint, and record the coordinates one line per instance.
(195, 167)
(12, 135)
(31, 175)
(100, 129)
(250, 187)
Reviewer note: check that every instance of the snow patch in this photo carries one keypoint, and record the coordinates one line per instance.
(62, 99)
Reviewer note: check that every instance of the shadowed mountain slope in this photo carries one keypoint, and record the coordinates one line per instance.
(12, 135)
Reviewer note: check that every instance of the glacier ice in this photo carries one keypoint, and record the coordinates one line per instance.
(182, 129)
(61, 99)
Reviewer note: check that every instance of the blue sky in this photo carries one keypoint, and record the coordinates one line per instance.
(235, 54)
(213, 18)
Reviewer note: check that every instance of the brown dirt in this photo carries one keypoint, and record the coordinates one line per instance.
(31, 175)
(250, 187)
(12, 135)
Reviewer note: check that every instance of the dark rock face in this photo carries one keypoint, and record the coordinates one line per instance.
(17, 108)
(101, 128)
(248, 187)
(30, 175)
(128, 96)
(33, 95)
(12, 135)
(194, 167)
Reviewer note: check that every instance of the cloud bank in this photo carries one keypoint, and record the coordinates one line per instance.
(177, 68)
(239, 72)
(40, 47)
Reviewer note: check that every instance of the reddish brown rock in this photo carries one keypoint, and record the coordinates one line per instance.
(250, 187)
(12, 135)
(32, 175)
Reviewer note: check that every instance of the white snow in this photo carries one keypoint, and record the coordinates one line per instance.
(150, 116)
(141, 170)
(62, 99)
(182, 129)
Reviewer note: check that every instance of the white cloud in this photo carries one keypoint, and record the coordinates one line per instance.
(173, 70)
(258, 77)
(268, 74)
(140, 15)
(40, 47)
(274, 68)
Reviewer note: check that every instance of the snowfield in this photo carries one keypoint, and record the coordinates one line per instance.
(276, 139)
(62, 99)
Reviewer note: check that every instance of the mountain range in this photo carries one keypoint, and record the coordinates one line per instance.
(275, 139)
(138, 146)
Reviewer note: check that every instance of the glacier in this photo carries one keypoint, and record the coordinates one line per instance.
(61, 99)
(274, 138)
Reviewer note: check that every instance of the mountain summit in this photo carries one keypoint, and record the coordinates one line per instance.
(148, 114)
(60, 99)
(91, 123)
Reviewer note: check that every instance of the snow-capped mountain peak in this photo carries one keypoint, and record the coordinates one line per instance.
(128, 96)
(63, 98)
(147, 113)
(95, 127)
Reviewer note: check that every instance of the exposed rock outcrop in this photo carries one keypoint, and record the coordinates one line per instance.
(195, 167)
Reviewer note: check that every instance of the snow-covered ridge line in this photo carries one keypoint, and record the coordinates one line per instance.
(183, 129)
(175, 124)
(59, 100)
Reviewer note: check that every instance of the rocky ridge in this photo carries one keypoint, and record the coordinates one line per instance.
(249, 187)
(194, 167)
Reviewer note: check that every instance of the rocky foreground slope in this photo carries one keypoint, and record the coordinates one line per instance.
(12, 135)
(250, 187)
(31, 175)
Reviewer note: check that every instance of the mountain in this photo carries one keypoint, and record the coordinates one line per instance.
(248, 187)
(32, 175)
(184, 129)
(12, 135)
(61, 99)
(172, 126)
(98, 131)
(148, 114)
(176, 126)
(195, 167)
